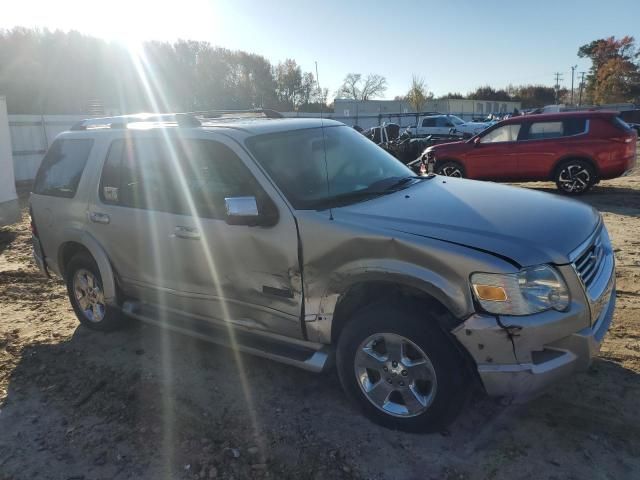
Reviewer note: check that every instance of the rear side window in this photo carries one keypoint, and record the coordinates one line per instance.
(429, 122)
(541, 130)
(185, 177)
(62, 167)
(557, 129)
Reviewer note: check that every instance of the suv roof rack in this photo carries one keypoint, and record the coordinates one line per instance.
(186, 119)
(266, 112)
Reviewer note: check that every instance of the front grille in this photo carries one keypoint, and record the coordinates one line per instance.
(588, 264)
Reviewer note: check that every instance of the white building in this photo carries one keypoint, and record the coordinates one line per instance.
(371, 112)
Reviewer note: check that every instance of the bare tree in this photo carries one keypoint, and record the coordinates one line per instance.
(374, 86)
(349, 88)
(357, 88)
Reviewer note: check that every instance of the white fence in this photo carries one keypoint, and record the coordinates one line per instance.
(31, 136)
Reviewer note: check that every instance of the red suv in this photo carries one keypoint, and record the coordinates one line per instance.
(574, 149)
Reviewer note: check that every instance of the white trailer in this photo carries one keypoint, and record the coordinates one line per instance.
(9, 208)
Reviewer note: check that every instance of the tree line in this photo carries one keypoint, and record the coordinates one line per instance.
(614, 77)
(44, 72)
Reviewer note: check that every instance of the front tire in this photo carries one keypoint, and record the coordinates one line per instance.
(401, 369)
(86, 294)
(574, 177)
(450, 169)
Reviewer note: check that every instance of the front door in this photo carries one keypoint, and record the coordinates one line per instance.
(495, 154)
(171, 244)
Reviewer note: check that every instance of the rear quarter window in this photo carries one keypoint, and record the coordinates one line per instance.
(621, 124)
(575, 126)
(62, 167)
(544, 130)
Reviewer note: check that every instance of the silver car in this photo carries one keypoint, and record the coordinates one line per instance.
(301, 241)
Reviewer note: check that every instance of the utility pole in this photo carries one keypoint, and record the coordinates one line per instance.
(573, 69)
(581, 86)
(558, 78)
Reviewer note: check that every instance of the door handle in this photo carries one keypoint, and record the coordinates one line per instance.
(186, 232)
(98, 217)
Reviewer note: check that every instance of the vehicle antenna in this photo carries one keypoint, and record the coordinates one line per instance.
(324, 142)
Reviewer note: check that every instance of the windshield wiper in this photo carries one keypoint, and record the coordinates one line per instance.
(376, 189)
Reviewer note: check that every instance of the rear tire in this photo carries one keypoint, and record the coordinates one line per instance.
(401, 369)
(574, 177)
(86, 294)
(450, 169)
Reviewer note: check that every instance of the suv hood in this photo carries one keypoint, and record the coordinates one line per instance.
(526, 226)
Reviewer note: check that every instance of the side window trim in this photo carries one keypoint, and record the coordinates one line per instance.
(100, 192)
(258, 192)
(487, 132)
(528, 124)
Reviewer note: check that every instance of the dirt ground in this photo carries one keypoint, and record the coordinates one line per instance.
(141, 403)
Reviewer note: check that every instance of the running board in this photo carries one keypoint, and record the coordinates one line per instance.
(301, 356)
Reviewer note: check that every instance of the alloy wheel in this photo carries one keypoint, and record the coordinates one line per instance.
(395, 375)
(574, 178)
(451, 171)
(89, 295)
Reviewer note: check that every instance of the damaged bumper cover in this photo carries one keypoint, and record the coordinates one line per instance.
(522, 361)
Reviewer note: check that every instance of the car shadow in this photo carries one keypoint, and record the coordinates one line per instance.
(144, 402)
(7, 237)
(606, 198)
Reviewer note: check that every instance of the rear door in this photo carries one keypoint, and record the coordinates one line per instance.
(543, 143)
(168, 237)
(494, 156)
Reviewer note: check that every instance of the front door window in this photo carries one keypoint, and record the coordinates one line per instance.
(506, 133)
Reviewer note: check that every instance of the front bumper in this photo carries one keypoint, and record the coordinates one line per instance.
(520, 357)
(555, 361)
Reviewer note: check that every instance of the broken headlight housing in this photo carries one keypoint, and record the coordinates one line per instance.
(531, 290)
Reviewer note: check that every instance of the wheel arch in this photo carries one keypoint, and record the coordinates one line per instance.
(86, 243)
(567, 158)
(371, 286)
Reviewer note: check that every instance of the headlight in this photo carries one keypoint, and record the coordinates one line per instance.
(531, 290)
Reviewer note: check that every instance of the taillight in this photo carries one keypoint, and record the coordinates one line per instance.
(34, 230)
(626, 139)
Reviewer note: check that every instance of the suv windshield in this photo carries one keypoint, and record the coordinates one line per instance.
(352, 168)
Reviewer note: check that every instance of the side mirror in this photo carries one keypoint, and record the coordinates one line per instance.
(244, 211)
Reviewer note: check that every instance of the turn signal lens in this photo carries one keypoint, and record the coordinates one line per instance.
(490, 292)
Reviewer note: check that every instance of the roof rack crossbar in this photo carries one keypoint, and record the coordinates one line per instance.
(267, 112)
(185, 119)
(121, 121)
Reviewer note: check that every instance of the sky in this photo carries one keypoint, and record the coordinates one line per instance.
(455, 46)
